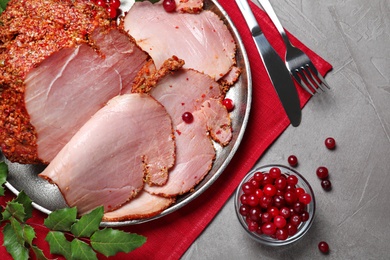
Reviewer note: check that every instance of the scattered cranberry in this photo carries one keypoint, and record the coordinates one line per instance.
(322, 172)
(275, 203)
(323, 247)
(292, 160)
(112, 7)
(330, 143)
(228, 103)
(169, 5)
(326, 184)
(187, 117)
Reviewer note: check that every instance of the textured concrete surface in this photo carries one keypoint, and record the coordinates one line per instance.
(354, 217)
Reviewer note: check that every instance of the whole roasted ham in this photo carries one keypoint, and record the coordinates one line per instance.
(127, 142)
(63, 60)
(202, 40)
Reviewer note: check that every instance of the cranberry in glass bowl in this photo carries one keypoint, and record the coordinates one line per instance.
(275, 209)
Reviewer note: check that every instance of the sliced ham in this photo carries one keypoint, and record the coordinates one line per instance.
(68, 87)
(202, 40)
(106, 162)
(143, 206)
(187, 90)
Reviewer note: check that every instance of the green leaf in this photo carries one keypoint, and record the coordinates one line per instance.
(3, 175)
(28, 234)
(88, 223)
(25, 200)
(14, 241)
(38, 253)
(3, 3)
(58, 244)
(110, 241)
(15, 210)
(82, 251)
(61, 219)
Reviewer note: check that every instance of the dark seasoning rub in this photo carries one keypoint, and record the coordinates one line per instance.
(30, 31)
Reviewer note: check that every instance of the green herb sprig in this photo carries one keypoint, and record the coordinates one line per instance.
(3, 4)
(69, 236)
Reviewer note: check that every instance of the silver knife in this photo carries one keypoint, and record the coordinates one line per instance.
(275, 67)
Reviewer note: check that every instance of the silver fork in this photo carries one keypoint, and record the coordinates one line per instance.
(297, 62)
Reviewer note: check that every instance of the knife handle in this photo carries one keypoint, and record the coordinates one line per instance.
(249, 17)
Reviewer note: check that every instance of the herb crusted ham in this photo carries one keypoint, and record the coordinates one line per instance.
(65, 59)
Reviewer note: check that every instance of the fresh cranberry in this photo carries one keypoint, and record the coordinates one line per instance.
(112, 12)
(244, 199)
(280, 183)
(279, 201)
(228, 103)
(292, 180)
(268, 228)
(259, 193)
(101, 3)
(269, 190)
(266, 217)
(267, 179)
(290, 197)
(322, 172)
(258, 176)
(298, 207)
(326, 185)
(274, 211)
(281, 234)
(169, 5)
(244, 210)
(115, 4)
(275, 172)
(292, 160)
(330, 143)
(280, 221)
(295, 220)
(285, 212)
(291, 229)
(187, 117)
(253, 200)
(323, 247)
(265, 201)
(305, 216)
(305, 198)
(255, 214)
(253, 226)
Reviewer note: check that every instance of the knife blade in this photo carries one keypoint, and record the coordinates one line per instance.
(276, 69)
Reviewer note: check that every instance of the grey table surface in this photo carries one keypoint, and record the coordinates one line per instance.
(353, 35)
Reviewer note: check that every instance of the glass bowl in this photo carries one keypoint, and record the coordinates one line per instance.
(301, 228)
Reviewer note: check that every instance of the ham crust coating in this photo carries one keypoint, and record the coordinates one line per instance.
(31, 31)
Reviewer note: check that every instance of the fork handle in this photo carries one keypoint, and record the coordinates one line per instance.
(271, 13)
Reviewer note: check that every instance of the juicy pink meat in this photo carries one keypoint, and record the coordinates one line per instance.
(185, 90)
(190, 91)
(144, 205)
(202, 40)
(72, 84)
(194, 158)
(106, 161)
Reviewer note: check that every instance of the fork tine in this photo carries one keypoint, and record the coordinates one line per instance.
(301, 82)
(311, 78)
(305, 79)
(319, 76)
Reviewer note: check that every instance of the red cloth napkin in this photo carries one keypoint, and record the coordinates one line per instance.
(170, 236)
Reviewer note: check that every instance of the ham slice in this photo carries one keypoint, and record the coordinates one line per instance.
(202, 40)
(68, 87)
(143, 206)
(186, 90)
(106, 161)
